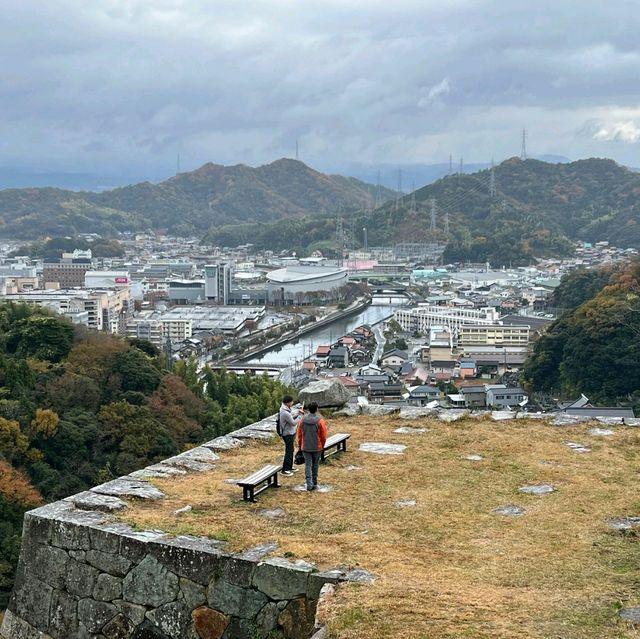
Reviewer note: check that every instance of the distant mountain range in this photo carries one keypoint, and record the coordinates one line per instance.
(535, 209)
(188, 203)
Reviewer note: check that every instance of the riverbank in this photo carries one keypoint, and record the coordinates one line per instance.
(356, 307)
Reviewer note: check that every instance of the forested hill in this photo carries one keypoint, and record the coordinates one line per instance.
(539, 209)
(78, 408)
(594, 348)
(186, 204)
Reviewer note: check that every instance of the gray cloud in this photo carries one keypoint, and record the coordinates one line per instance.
(109, 85)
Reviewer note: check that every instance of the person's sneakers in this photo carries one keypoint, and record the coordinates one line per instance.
(287, 472)
(295, 470)
(312, 488)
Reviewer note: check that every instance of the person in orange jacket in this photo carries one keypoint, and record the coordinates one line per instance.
(312, 435)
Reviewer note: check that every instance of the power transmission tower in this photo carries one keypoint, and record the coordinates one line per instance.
(492, 182)
(461, 171)
(398, 194)
(340, 239)
(353, 238)
(450, 164)
(413, 198)
(297, 156)
(523, 148)
(446, 222)
(432, 227)
(378, 201)
(178, 164)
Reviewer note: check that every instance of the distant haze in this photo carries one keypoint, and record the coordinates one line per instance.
(95, 94)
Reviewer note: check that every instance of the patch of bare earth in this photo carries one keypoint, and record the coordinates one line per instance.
(450, 566)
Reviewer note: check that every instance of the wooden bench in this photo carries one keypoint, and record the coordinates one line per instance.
(267, 475)
(339, 440)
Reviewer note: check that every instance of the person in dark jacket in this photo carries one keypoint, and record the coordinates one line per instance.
(288, 427)
(312, 435)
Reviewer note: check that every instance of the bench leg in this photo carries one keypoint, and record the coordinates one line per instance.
(275, 483)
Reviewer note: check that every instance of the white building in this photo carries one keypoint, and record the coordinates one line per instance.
(422, 318)
(291, 283)
(106, 309)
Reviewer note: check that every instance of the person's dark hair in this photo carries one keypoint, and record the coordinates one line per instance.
(286, 399)
(313, 407)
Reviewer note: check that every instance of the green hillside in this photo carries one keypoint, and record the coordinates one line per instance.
(594, 348)
(188, 203)
(538, 210)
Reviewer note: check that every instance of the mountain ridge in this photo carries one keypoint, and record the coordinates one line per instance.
(187, 203)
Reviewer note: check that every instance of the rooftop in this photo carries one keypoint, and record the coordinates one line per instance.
(449, 563)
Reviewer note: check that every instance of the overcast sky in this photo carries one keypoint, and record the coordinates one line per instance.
(111, 86)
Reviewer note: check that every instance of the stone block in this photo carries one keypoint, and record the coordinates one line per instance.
(120, 627)
(51, 563)
(31, 600)
(240, 629)
(81, 579)
(194, 594)
(150, 583)
(238, 571)
(107, 588)
(129, 487)
(234, 600)
(134, 545)
(107, 538)
(106, 562)
(379, 410)
(133, 612)
(70, 536)
(267, 619)
(318, 579)
(63, 615)
(195, 558)
(282, 579)
(297, 619)
(92, 501)
(148, 631)
(224, 442)
(13, 627)
(36, 529)
(95, 614)
(209, 624)
(174, 619)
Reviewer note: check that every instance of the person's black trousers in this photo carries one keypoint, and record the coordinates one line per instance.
(287, 463)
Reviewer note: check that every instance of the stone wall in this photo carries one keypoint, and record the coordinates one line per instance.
(83, 574)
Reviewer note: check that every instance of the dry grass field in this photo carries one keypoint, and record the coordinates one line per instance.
(449, 567)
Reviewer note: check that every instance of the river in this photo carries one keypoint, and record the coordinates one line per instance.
(380, 309)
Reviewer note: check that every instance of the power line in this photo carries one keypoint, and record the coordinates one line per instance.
(432, 227)
(492, 181)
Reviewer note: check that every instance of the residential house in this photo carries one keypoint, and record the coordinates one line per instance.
(474, 396)
(456, 400)
(322, 353)
(467, 368)
(348, 341)
(370, 369)
(338, 357)
(422, 395)
(499, 396)
(379, 391)
(395, 357)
